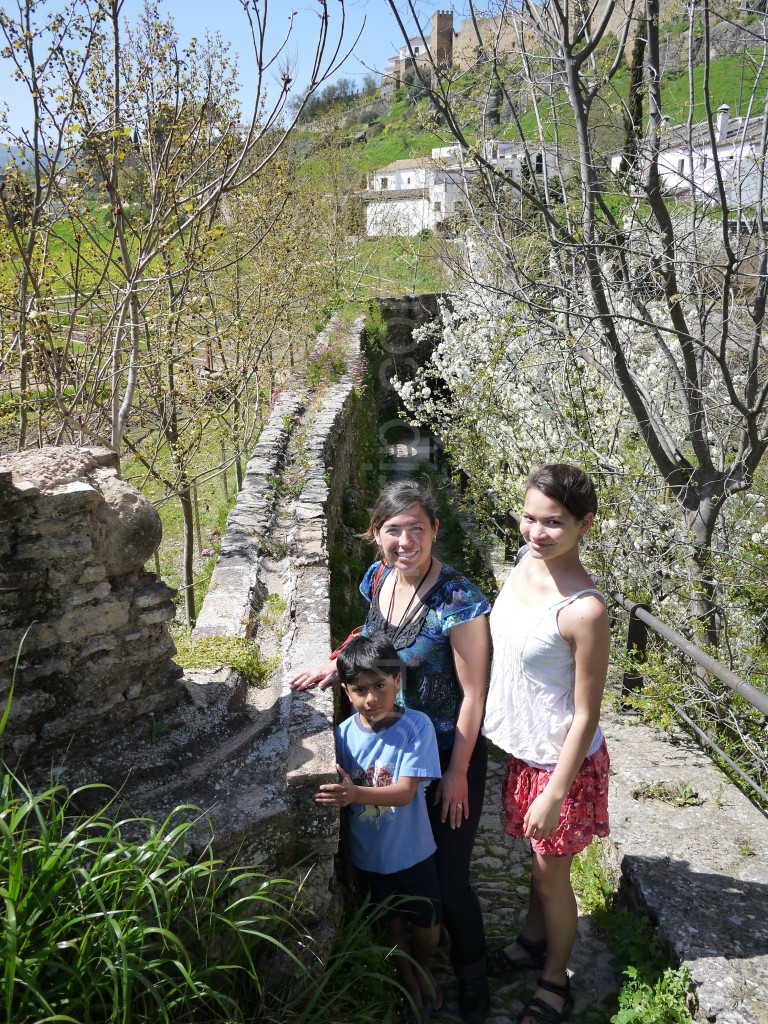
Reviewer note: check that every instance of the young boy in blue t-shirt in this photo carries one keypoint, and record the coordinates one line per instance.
(386, 756)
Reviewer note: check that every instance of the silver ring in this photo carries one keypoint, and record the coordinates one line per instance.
(459, 806)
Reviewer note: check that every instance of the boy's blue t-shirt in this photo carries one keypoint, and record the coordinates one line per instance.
(388, 839)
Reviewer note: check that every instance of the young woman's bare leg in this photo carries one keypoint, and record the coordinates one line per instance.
(551, 882)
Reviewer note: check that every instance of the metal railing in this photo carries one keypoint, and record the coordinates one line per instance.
(640, 620)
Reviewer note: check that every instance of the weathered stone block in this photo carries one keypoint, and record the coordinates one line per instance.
(59, 549)
(164, 614)
(94, 593)
(153, 595)
(93, 574)
(75, 538)
(107, 642)
(78, 623)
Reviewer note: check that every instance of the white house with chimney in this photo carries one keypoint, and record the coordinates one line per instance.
(408, 196)
(732, 143)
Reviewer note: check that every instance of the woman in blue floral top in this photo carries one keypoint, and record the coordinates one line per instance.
(438, 623)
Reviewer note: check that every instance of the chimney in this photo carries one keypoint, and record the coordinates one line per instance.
(722, 122)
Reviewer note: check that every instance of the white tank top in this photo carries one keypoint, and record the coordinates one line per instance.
(530, 701)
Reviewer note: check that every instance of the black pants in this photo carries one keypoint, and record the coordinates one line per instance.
(461, 910)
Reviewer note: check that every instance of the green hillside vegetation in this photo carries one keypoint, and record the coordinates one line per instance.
(408, 129)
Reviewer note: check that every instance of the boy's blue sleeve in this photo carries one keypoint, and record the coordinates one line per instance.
(421, 758)
(341, 747)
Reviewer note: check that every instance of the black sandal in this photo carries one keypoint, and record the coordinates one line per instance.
(543, 1012)
(500, 962)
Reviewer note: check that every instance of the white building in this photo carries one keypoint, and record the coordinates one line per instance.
(408, 196)
(692, 164)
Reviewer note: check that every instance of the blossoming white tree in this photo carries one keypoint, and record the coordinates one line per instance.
(605, 320)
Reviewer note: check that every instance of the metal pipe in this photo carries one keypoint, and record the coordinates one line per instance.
(711, 743)
(750, 693)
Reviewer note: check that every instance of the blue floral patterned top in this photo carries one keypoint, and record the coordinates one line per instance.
(429, 681)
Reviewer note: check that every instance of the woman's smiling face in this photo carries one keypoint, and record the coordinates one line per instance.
(406, 540)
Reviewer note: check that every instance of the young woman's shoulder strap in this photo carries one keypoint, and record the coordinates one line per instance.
(381, 574)
(579, 593)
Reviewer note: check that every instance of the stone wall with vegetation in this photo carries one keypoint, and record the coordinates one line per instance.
(97, 694)
(98, 698)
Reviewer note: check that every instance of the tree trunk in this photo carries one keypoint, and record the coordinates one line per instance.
(185, 497)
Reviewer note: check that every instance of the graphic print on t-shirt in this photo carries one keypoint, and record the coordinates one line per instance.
(378, 774)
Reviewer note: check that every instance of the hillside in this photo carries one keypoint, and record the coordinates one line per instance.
(378, 132)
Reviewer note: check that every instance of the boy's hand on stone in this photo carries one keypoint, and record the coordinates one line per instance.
(337, 794)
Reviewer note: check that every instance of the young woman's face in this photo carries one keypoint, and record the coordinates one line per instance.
(406, 540)
(548, 528)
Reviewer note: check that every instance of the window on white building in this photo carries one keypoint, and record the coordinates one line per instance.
(539, 163)
(438, 207)
(384, 182)
(681, 166)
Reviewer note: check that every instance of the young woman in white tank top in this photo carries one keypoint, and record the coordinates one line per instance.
(550, 660)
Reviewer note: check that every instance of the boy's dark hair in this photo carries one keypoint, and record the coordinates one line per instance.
(568, 485)
(367, 654)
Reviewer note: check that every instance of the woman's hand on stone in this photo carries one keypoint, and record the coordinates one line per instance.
(453, 794)
(321, 675)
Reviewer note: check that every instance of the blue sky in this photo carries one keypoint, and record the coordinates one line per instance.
(380, 36)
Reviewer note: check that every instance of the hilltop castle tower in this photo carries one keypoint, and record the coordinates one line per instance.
(441, 37)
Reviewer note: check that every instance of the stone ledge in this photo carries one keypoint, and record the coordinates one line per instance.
(697, 871)
(234, 594)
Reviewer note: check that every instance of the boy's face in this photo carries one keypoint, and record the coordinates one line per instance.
(372, 695)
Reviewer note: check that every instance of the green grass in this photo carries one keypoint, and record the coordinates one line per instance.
(116, 921)
(113, 921)
(216, 652)
(726, 86)
(397, 266)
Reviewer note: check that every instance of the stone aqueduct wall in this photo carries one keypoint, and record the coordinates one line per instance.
(97, 696)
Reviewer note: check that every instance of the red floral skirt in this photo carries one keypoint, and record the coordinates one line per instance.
(584, 813)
